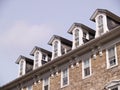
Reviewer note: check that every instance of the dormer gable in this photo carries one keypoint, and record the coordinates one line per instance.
(41, 56)
(105, 21)
(25, 65)
(59, 45)
(81, 34)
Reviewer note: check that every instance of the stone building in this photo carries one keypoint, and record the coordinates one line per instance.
(91, 61)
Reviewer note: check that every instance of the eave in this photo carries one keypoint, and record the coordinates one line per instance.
(66, 57)
(23, 57)
(62, 40)
(81, 26)
(40, 49)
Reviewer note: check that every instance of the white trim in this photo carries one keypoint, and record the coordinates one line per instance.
(105, 27)
(44, 82)
(62, 86)
(23, 68)
(83, 73)
(59, 48)
(107, 59)
(80, 37)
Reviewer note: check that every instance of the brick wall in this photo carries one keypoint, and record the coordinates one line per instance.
(97, 81)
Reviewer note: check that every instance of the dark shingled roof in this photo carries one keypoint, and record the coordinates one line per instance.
(30, 61)
(63, 40)
(82, 26)
(108, 13)
(41, 49)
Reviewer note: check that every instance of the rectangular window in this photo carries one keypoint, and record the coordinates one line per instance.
(111, 57)
(86, 68)
(65, 77)
(29, 87)
(46, 83)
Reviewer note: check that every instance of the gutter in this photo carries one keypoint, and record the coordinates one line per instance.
(65, 58)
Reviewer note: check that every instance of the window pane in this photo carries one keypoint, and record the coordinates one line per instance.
(87, 71)
(29, 87)
(111, 56)
(100, 24)
(43, 56)
(76, 37)
(46, 87)
(65, 77)
(56, 48)
(36, 55)
(46, 83)
(65, 81)
(111, 52)
(86, 63)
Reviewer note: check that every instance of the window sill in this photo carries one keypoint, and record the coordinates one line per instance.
(110, 67)
(64, 86)
(85, 77)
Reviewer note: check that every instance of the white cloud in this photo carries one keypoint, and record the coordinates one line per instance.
(23, 34)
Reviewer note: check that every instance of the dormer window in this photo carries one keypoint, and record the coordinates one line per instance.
(21, 67)
(36, 59)
(76, 38)
(56, 49)
(100, 25)
(84, 35)
(43, 57)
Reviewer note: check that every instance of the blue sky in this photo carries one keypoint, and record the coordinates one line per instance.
(28, 23)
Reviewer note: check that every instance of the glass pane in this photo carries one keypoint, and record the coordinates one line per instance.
(86, 63)
(76, 37)
(36, 55)
(29, 87)
(45, 81)
(65, 81)
(46, 87)
(65, 77)
(56, 48)
(87, 71)
(111, 52)
(64, 73)
(100, 24)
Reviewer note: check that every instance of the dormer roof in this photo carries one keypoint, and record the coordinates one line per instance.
(108, 13)
(40, 49)
(82, 26)
(112, 83)
(63, 40)
(30, 61)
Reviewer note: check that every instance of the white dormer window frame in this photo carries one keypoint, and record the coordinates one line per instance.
(56, 45)
(76, 37)
(22, 67)
(100, 25)
(36, 62)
